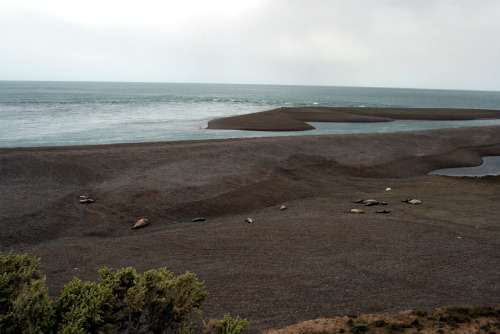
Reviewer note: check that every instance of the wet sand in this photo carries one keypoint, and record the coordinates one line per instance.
(314, 259)
(295, 119)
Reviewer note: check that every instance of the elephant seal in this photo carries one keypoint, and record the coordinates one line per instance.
(140, 223)
(199, 219)
(371, 202)
(283, 207)
(249, 220)
(86, 201)
(413, 201)
(357, 211)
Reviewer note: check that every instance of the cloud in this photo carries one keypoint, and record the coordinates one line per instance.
(422, 44)
(157, 14)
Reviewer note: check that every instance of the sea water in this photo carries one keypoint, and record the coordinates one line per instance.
(82, 113)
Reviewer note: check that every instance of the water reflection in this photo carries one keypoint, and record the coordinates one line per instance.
(490, 166)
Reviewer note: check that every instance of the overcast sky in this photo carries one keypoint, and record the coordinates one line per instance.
(443, 44)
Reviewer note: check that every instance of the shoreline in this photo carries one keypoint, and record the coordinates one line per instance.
(295, 119)
(206, 141)
(314, 259)
(260, 135)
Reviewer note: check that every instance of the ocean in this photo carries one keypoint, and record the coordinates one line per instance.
(89, 113)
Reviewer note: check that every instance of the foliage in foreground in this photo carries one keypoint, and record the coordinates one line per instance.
(227, 325)
(24, 300)
(123, 301)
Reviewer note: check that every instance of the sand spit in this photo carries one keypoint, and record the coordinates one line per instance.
(294, 119)
(314, 259)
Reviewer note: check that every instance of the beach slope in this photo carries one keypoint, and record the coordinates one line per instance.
(314, 259)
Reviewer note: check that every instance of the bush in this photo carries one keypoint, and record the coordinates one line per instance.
(122, 301)
(359, 329)
(156, 301)
(227, 325)
(24, 301)
(84, 307)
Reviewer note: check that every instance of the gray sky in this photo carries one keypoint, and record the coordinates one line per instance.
(442, 44)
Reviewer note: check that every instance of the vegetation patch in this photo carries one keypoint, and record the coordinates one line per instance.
(478, 320)
(123, 301)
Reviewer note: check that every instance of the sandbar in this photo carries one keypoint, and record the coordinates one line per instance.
(295, 119)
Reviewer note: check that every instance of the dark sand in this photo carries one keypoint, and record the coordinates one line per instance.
(294, 119)
(315, 259)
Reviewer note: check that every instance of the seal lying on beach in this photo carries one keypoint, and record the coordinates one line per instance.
(412, 201)
(85, 199)
(140, 223)
(369, 202)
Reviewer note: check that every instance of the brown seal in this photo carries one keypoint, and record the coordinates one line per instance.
(141, 223)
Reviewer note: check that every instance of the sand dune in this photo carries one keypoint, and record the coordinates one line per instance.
(314, 259)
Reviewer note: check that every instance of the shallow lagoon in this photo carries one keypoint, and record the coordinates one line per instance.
(135, 132)
(490, 166)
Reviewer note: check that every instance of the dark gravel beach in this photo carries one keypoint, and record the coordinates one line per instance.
(314, 259)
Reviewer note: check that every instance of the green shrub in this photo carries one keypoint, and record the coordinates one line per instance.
(84, 307)
(359, 329)
(227, 325)
(120, 281)
(24, 302)
(122, 301)
(155, 301)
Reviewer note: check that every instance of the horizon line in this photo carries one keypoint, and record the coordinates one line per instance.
(249, 84)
